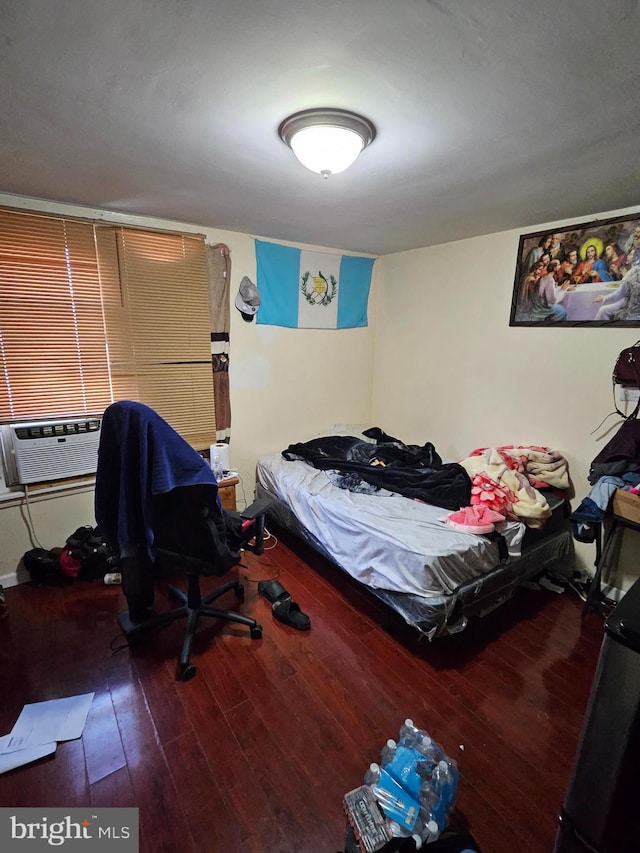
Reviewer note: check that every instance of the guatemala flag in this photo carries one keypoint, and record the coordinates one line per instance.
(311, 290)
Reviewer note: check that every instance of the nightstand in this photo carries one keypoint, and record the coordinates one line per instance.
(227, 492)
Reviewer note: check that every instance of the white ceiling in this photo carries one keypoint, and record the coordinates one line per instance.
(491, 114)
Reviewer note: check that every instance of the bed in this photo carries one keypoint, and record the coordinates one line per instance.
(436, 578)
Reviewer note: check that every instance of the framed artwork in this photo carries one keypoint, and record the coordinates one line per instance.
(579, 275)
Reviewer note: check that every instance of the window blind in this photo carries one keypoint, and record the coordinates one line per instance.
(52, 343)
(93, 313)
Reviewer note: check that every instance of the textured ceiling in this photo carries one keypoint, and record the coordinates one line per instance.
(490, 115)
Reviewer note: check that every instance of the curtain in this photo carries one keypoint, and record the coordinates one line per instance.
(219, 271)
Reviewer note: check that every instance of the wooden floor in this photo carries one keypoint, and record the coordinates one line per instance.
(257, 751)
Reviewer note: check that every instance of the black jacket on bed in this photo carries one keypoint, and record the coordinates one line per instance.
(411, 470)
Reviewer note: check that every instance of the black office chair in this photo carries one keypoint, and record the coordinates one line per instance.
(157, 504)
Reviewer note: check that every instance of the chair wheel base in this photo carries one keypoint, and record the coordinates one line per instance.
(185, 672)
(256, 632)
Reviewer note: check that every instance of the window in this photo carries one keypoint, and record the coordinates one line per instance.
(92, 313)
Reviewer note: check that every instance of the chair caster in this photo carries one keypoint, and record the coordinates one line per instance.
(185, 672)
(256, 632)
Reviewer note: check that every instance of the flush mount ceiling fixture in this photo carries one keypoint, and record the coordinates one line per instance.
(327, 141)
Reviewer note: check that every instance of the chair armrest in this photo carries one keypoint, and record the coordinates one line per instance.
(253, 521)
(256, 509)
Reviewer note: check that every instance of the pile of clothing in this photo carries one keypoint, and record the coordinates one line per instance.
(507, 479)
(617, 466)
(385, 462)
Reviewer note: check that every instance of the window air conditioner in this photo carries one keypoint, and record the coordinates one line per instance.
(38, 451)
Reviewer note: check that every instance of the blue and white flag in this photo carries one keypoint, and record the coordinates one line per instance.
(311, 290)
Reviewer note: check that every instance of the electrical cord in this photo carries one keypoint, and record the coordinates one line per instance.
(244, 496)
(126, 645)
(267, 536)
(29, 521)
(262, 578)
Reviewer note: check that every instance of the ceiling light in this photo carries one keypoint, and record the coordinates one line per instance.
(327, 141)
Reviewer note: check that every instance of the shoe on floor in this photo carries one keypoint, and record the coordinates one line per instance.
(283, 608)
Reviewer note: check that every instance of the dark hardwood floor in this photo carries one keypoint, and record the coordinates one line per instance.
(257, 751)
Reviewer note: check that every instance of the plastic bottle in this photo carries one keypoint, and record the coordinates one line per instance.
(445, 782)
(112, 578)
(372, 774)
(404, 840)
(407, 734)
(216, 464)
(425, 828)
(388, 751)
(402, 845)
(437, 799)
(398, 831)
(428, 796)
(430, 832)
(424, 769)
(432, 815)
(428, 747)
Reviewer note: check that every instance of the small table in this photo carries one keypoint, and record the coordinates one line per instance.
(624, 512)
(227, 492)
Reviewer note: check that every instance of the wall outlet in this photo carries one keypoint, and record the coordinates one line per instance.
(627, 394)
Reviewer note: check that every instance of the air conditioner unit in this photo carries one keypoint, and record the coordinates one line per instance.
(39, 451)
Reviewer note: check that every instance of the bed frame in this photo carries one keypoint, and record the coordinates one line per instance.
(442, 615)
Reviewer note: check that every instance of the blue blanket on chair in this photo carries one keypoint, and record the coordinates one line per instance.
(140, 456)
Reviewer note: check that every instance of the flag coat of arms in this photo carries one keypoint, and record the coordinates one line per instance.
(311, 290)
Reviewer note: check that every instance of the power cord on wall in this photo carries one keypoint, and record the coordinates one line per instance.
(244, 496)
(29, 521)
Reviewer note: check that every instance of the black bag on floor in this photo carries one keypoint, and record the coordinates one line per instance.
(88, 546)
(44, 567)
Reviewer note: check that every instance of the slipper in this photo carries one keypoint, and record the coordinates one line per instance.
(478, 529)
(272, 590)
(284, 609)
(473, 519)
(287, 611)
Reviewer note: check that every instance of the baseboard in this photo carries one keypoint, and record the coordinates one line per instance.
(612, 592)
(14, 578)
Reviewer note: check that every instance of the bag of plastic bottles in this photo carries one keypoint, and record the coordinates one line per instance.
(421, 768)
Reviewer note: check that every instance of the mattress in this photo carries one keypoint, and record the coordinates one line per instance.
(400, 549)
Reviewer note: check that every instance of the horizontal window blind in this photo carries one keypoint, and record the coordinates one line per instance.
(93, 313)
(52, 345)
(155, 294)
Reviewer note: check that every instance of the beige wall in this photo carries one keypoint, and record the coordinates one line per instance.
(289, 384)
(450, 370)
(45, 521)
(286, 385)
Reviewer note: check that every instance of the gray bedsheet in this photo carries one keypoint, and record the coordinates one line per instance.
(401, 550)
